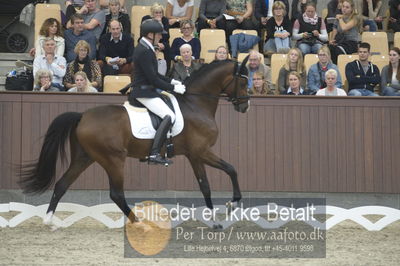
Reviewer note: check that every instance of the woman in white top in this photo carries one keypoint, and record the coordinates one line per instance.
(178, 10)
(331, 89)
(51, 28)
(82, 83)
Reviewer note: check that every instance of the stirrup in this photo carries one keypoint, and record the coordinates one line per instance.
(157, 159)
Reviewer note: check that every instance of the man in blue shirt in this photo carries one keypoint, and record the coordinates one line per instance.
(75, 34)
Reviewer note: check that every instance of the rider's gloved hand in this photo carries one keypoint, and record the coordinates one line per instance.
(176, 82)
(179, 88)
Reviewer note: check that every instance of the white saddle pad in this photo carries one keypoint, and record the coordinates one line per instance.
(141, 125)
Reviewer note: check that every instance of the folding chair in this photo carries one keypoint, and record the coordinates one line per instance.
(378, 41)
(137, 13)
(343, 60)
(43, 12)
(112, 84)
(210, 40)
(277, 62)
(174, 33)
(397, 39)
(309, 60)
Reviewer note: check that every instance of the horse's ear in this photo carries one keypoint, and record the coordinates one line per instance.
(243, 66)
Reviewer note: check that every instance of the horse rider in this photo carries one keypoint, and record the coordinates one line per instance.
(146, 82)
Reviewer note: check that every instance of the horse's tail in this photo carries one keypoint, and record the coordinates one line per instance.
(39, 176)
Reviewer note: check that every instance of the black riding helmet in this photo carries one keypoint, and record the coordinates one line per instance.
(151, 26)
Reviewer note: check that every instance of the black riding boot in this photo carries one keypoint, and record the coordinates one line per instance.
(159, 139)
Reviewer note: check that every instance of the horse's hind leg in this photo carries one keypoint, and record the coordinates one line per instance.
(114, 167)
(80, 160)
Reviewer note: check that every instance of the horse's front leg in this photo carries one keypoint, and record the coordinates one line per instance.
(212, 160)
(201, 176)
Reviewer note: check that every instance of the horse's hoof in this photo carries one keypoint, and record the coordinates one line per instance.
(231, 206)
(48, 219)
(218, 227)
(53, 227)
(143, 226)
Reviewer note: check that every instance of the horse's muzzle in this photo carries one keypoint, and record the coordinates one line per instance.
(242, 107)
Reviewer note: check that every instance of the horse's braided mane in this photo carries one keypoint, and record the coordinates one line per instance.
(203, 70)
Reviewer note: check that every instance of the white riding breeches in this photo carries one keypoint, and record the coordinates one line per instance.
(157, 106)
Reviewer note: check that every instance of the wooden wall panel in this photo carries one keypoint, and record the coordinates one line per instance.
(10, 138)
(311, 144)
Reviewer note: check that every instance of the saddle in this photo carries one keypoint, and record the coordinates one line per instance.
(145, 123)
(155, 119)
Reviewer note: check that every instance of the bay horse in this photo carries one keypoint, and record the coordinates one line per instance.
(103, 134)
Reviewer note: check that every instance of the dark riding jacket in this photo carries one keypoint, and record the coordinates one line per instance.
(146, 77)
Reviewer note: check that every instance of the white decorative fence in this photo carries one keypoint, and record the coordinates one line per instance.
(97, 212)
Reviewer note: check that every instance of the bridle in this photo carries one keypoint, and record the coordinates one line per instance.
(234, 98)
(237, 74)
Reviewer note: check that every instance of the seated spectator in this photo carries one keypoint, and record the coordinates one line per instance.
(116, 51)
(299, 7)
(211, 15)
(187, 27)
(221, 53)
(183, 68)
(330, 81)
(390, 82)
(82, 83)
(157, 13)
(71, 6)
(260, 87)
(294, 62)
(83, 63)
(242, 11)
(51, 28)
(117, 14)
(334, 8)
(370, 10)
(94, 18)
(104, 5)
(345, 33)
(279, 29)
(394, 19)
(255, 65)
(52, 62)
(309, 30)
(78, 33)
(316, 73)
(361, 74)
(43, 80)
(382, 14)
(294, 84)
(178, 11)
(263, 11)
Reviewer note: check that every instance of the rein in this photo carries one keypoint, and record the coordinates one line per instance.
(212, 96)
(236, 75)
(204, 95)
